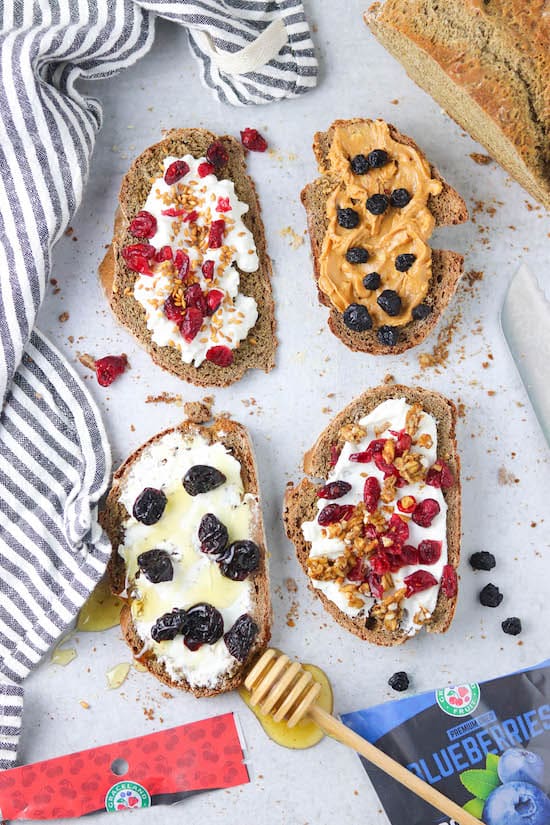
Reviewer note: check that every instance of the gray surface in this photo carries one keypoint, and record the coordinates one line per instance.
(499, 430)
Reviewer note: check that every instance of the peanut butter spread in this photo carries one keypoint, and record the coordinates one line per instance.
(396, 231)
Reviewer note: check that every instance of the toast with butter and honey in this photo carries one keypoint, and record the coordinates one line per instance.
(379, 538)
(370, 217)
(189, 556)
(187, 271)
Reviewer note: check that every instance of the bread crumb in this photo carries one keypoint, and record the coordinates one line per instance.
(291, 585)
(483, 160)
(473, 275)
(388, 378)
(440, 352)
(86, 360)
(197, 412)
(294, 240)
(69, 231)
(165, 398)
(395, 101)
(63, 317)
(84, 704)
(506, 478)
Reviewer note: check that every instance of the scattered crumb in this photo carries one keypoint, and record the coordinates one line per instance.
(292, 614)
(506, 478)
(166, 695)
(491, 393)
(86, 360)
(197, 412)
(326, 410)
(63, 317)
(84, 704)
(473, 275)
(69, 231)
(294, 240)
(132, 428)
(395, 101)
(483, 160)
(461, 408)
(149, 713)
(165, 398)
(70, 339)
(440, 352)
(388, 378)
(291, 585)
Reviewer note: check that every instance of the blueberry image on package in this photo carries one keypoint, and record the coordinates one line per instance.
(517, 765)
(517, 803)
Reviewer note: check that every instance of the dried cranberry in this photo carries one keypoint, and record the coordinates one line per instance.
(109, 368)
(208, 270)
(191, 217)
(201, 478)
(241, 637)
(240, 559)
(398, 530)
(173, 213)
(191, 323)
(409, 555)
(380, 562)
(172, 311)
(149, 506)
(194, 297)
(418, 581)
(205, 169)
(223, 205)
(156, 565)
(202, 625)
(371, 532)
(182, 264)
(440, 476)
(359, 571)
(213, 300)
(384, 467)
(425, 512)
(375, 446)
(335, 451)
(253, 140)
(168, 626)
(144, 225)
(215, 236)
(335, 489)
(371, 493)
(429, 551)
(221, 356)
(217, 154)
(213, 535)
(335, 512)
(146, 249)
(449, 583)
(375, 584)
(361, 458)
(175, 172)
(406, 504)
(403, 441)
(164, 254)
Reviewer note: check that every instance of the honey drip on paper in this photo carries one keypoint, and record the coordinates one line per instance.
(63, 656)
(306, 733)
(117, 674)
(101, 611)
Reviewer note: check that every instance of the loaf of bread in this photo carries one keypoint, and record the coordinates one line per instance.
(187, 271)
(487, 63)
(379, 539)
(379, 301)
(189, 556)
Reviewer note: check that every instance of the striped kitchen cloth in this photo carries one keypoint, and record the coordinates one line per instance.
(54, 454)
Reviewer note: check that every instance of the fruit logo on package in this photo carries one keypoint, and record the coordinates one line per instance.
(459, 700)
(125, 796)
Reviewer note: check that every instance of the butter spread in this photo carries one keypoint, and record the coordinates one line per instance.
(201, 197)
(410, 613)
(395, 232)
(197, 577)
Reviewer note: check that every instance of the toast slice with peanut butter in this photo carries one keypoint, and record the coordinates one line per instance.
(370, 217)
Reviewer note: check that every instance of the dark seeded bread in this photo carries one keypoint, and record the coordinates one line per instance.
(235, 437)
(301, 500)
(258, 349)
(448, 208)
(487, 64)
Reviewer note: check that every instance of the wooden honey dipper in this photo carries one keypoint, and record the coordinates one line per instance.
(284, 690)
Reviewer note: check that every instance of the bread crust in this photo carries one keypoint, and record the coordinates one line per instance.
(300, 502)
(235, 437)
(448, 208)
(118, 280)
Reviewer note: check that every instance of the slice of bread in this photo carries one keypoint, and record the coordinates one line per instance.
(257, 351)
(236, 440)
(487, 65)
(448, 208)
(301, 501)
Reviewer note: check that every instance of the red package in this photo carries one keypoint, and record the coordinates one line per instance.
(157, 769)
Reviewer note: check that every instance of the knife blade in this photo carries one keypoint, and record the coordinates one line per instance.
(525, 323)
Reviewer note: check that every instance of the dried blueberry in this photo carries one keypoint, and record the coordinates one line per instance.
(357, 255)
(482, 560)
(357, 318)
(202, 479)
(377, 158)
(359, 165)
(400, 198)
(377, 204)
(490, 596)
(388, 336)
(168, 626)
(149, 506)
(421, 311)
(390, 302)
(202, 625)
(240, 559)
(512, 626)
(241, 637)
(348, 218)
(405, 261)
(156, 565)
(213, 535)
(399, 681)
(372, 280)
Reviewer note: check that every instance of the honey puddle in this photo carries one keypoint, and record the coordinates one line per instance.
(63, 656)
(101, 611)
(306, 733)
(117, 674)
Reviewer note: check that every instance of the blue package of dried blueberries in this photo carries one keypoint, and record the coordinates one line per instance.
(485, 745)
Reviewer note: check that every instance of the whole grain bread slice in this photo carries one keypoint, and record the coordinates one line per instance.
(236, 439)
(301, 500)
(257, 351)
(448, 208)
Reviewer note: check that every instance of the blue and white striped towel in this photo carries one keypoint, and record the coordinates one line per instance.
(54, 454)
